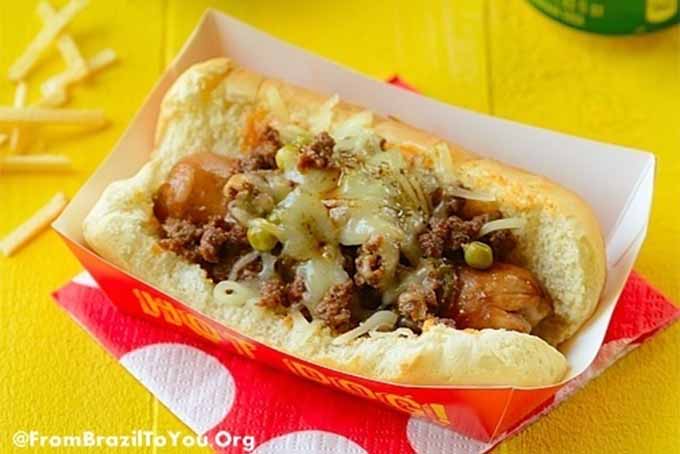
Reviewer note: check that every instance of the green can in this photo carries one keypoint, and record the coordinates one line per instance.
(612, 17)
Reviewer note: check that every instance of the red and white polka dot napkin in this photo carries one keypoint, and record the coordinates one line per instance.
(213, 391)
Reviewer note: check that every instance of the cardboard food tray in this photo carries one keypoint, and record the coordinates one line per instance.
(616, 181)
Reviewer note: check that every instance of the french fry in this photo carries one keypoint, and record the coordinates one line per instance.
(35, 163)
(57, 84)
(67, 46)
(47, 115)
(19, 101)
(3, 138)
(33, 225)
(25, 63)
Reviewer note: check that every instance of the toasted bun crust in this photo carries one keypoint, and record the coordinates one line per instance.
(561, 244)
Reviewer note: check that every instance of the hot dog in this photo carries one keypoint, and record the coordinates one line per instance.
(354, 241)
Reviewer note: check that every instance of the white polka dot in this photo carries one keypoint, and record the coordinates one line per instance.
(194, 385)
(85, 279)
(310, 442)
(429, 438)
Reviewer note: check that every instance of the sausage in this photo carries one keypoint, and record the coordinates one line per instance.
(504, 296)
(193, 190)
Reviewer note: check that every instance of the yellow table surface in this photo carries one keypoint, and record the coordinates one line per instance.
(495, 56)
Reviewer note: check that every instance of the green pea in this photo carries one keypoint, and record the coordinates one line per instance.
(302, 140)
(260, 235)
(286, 157)
(478, 255)
(274, 217)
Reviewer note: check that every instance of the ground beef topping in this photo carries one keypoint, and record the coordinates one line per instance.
(262, 155)
(296, 289)
(431, 297)
(370, 269)
(334, 308)
(209, 200)
(415, 303)
(215, 234)
(209, 245)
(446, 205)
(181, 237)
(318, 154)
(273, 294)
(503, 242)
(445, 236)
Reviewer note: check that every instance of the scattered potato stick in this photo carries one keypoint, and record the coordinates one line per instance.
(56, 86)
(30, 115)
(59, 82)
(23, 65)
(3, 138)
(33, 225)
(67, 46)
(102, 59)
(35, 163)
(19, 101)
(20, 94)
(69, 50)
(53, 99)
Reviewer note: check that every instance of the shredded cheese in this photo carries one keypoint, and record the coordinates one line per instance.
(500, 224)
(378, 320)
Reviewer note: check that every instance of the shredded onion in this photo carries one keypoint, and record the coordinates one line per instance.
(407, 189)
(410, 246)
(319, 275)
(500, 224)
(362, 224)
(268, 264)
(321, 120)
(443, 164)
(280, 186)
(291, 132)
(354, 126)
(241, 263)
(241, 215)
(425, 204)
(468, 194)
(304, 329)
(276, 104)
(360, 186)
(305, 224)
(314, 180)
(380, 319)
(392, 158)
(233, 293)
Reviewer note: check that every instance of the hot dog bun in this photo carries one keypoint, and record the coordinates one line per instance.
(561, 244)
